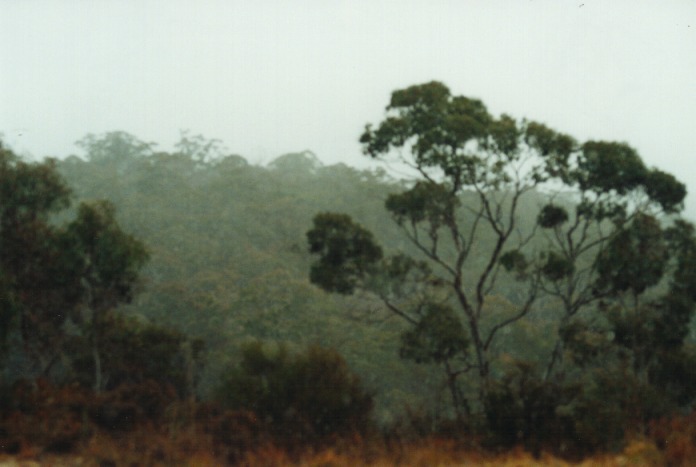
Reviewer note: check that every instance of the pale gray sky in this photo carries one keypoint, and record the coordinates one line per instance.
(270, 77)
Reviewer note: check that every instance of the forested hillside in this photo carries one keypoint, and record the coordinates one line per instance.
(229, 261)
(521, 289)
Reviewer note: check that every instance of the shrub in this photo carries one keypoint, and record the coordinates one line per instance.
(522, 409)
(129, 405)
(307, 396)
(41, 414)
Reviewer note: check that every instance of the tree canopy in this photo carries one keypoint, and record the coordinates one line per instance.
(603, 230)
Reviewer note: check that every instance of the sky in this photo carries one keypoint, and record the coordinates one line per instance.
(272, 77)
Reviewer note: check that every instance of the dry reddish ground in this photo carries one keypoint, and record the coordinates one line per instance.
(428, 454)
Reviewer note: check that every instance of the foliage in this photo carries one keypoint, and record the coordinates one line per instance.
(50, 273)
(438, 337)
(552, 216)
(635, 258)
(110, 261)
(138, 352)
(198, 148)
(33, 256)
(522, 408)
(111, 258)
(224, 238)
(226, 264)
(117, 146)
(602, 248)
(311, 395)
(347, 252)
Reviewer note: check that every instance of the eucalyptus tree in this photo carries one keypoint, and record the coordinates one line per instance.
(50, 273)
(605, 236)
(462, 215)
(114, 146)
(108, 264)
(36, 283)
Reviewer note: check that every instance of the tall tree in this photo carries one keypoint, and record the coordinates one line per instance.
(199, 148)
(110, 260)
(49, 273)
(117, 146)
(37, 284)
(462, 215)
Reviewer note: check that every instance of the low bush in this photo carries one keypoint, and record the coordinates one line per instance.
(310, 396)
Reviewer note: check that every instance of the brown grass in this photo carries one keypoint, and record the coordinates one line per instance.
(55, 427)
(430, 453)
(433, 453)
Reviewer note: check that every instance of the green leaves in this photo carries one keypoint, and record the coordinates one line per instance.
(556, 266)
(138, 351)
(466, 120)
(548, 142)
(666, 190)
(112, 258)
(505, 134)
(429, 201)
(635, 258)
(552, 216)
(612, 246)
(312, 393)
(347, 252)
(437, 123)
(514, 261)
(610, 166)
(681, 241)
(37, 284)
(432, 94)
(438, 336)
(48, 272)
(114, 146)
(400, 275)
(392, 132)
(553, 265)
(29, 191)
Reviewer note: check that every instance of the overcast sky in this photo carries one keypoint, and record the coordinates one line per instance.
(271, 77)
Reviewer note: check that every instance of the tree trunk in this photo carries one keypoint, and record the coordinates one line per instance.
(97, 364)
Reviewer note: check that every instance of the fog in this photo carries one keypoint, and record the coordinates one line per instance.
(274, 77)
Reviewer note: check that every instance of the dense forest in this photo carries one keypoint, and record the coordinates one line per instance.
(520, 289)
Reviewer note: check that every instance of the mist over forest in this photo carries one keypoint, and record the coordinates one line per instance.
(521, 288)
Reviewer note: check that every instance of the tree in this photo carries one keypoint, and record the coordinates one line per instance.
(198, 148)
(38, 286)
(116, 146)
(649, 272)
(458, 149)
(611, 241)
(52, 274)
(474, 175)
(138, 352)
(110, 260)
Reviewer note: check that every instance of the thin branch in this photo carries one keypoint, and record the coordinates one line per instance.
(526, 308)
(394, 309)
(428, 252)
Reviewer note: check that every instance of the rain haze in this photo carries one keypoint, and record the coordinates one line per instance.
(268, 78)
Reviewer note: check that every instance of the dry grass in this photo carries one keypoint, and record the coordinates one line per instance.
(432, 453)
(438, 453)
(200, 436)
